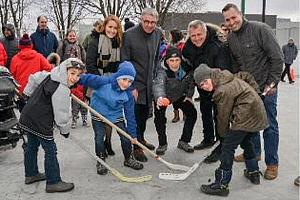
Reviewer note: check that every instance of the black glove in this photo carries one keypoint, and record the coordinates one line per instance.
(66, 135)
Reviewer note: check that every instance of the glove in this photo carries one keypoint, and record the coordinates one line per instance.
(66, 135)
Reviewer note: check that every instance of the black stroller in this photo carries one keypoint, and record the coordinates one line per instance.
(9, 132)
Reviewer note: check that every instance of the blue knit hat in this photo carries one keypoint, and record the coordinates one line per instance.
(126, 70)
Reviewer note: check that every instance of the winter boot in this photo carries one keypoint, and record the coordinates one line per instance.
(214, 156)
(130, 162)
(36, 178)
(107, 141)
(220, 186)
(253, 176)
(139, 155)
(185, 146)
(84, 120)
(176, 116)
(59, 187)
(148, 145)
(161, 149)
(204, 145)
(271, 172)
(101, 169)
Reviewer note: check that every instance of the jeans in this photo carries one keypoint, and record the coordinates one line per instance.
(270, 134)
(99, 130)
(52, 170)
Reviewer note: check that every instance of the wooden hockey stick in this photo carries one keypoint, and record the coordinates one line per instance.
(183, 176)
(170, 165)
(112, 170)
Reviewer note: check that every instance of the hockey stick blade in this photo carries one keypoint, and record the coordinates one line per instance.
(183, 176)
(112, 170)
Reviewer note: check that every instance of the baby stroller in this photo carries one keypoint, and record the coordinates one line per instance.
(9, 132)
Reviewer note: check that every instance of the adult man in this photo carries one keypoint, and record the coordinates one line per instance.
(10, 42)
(290, 52)
(141, 47)
(201, 47)
(44, 41)
(255, 49)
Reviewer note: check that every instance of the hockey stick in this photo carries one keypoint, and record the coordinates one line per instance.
(170, 165)
(112, 170)
(183, 176)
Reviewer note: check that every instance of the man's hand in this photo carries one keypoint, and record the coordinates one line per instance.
(133, 141)
(66, 135)
(135, 94)
(269, 90)
(163, 102)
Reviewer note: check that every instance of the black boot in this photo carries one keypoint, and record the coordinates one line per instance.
(214, 156)
(139, 155)
(100, 168)
(130, 162)
(220, 186)
(107, 141)
(252, 171)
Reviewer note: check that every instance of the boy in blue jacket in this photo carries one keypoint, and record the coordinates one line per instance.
(111, 98)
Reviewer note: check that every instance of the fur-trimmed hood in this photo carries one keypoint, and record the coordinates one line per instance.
(54, 59)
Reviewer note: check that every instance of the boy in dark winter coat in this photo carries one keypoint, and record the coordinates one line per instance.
(111, 98)
(49, 104)
(241, 113)
(174, 84)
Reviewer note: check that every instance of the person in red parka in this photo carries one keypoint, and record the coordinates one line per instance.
(27, 62)
(3, 55)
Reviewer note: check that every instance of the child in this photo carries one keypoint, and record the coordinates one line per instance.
(48, 104)
(112, 97)
(241, 112)
(173, 83)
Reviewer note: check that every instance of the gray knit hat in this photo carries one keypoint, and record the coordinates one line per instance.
(201, 73)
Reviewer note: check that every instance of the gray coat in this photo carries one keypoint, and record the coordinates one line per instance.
(143, 51)
(290, 53)
(256, 50)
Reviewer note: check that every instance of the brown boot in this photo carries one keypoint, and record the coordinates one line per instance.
(240, 158)
(176, 116)
(271, 172)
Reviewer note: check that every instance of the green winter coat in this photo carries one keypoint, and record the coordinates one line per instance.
(238, 104)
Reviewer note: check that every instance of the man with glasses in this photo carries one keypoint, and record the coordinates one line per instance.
(141, 47)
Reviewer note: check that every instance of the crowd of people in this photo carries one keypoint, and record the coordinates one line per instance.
(127, 73)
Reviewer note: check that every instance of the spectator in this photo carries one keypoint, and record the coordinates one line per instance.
(3, 56)
(290, 52)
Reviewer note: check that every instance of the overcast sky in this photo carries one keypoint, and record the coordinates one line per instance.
(281, 8)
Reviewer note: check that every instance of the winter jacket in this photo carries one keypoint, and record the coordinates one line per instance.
(3, 56)
(68, 50)
(290, 52)
(90, 45)
(172, 85)
(44, 41)
(238, 104)
(10, 44)
(25, 63)
(49, 103)
(142, 50)
(110, 101)
(256, 50)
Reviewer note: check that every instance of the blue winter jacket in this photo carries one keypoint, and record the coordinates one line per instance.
(110, 101)
(44, 42)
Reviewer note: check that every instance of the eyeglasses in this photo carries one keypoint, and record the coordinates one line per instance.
(147, 22)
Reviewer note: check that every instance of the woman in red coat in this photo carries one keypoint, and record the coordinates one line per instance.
(3, 55)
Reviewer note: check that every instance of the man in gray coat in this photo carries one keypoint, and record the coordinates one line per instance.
(290, 52)
(256, 50)
(141, 47)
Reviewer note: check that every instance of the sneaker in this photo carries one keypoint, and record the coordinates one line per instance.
(215, 189)
(291, 82)
(85, 124)
(101, 170)
(185, 147)
(282, 80)
(36, 178)
(297, 180)
(271, 172)
(161, 149)
(130, 162)
(254, 176)
(240, 158)
(148, 145)
(59, 187)
(73, 125)
(204, 145)
(139, 155)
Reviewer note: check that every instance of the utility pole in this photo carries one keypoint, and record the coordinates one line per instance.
(243, 6)
(263, 17)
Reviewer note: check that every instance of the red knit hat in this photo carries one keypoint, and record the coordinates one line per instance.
(25, 41)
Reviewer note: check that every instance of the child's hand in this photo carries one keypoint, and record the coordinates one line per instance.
(133, 141)
(162, 101)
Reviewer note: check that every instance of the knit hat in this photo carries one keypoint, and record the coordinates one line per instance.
(125, 70)
(25, 41)
(202, 73)
(173, 52)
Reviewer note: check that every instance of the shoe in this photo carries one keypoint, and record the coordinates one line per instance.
(176, 116)
(185, 147)
(204, 145)
(254, 176)
(214, 156)
(215, 189)
(197, 99)
(130, 162)
(148, 145)
(101, 169)
(291, 82)
(73, 125)
(139, 155)
(282, 80)
(85, 124)
(271, 172)
(36, 178)
(59, 187)
(161, 149)
(297, 180)
(240, 158)
(107, 145)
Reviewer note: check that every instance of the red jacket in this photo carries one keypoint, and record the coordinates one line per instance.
(25, 63)
(3, 55)
(78, 92)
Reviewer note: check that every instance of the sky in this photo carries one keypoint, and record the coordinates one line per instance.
(281, 8)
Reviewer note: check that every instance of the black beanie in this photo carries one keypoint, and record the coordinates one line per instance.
(173, 52)
(25, 41)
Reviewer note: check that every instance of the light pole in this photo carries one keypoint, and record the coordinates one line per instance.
(263, 17)
(243, 6)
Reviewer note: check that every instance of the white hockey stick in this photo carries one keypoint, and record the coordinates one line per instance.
(112, 170)
(183, 176)
(170, 165)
